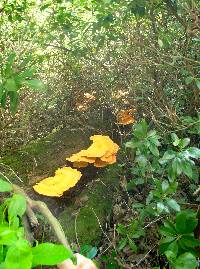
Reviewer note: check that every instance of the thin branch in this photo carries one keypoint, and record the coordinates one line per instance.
(44, 210)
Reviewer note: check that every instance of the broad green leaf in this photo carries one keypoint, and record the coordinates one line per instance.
(164, 243)
(14, 101)
(175, 139)
(172, 250)
(10, 85)
(19, 255)
(189, 241)
(8, 236)
(168, 155)
(140, 129)
(5, 186)
(92, 253)
(17, 206)
(194, 152)
(184, 142)
(35, 84)
(2, 266)
(176, 166)
(186, 261)
(154, 150)
(187, 168)
(173, 204)
(50, 254)
(186, 221)
(160, 207)
(165, 185)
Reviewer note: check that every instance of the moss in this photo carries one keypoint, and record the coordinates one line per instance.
(85, 219)
(44, 156)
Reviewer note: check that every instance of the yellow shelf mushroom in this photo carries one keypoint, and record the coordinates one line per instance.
(101, 153)
(64, 179)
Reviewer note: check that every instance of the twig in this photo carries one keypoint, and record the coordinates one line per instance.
(101, 226)
(75, 228)
(42, 208)
(152, 222)
(197, 191)
(145, 256)
(5, 165)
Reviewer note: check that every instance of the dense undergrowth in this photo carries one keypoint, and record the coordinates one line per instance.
(78, 65)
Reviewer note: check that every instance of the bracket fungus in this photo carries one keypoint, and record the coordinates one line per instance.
(102, 152)
(125, 117)
(64, 179)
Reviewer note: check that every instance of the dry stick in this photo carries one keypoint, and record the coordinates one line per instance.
(42, 208)
(197, 191)
(7, 166)
(53, 222)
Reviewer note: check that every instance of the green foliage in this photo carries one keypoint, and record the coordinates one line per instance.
(16, 251)
(163, 178)
(88, 251)
(13, 77)
(178, 243)
(129, 234)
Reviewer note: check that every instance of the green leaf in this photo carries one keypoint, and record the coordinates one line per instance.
(35, 84)
(176, 166)
(184, 143)
(168, 155)
(140, 129)
(8, 235)
(122, 243)
(194, 152)
(10, 61)
(17, 206)
(173, 204)
(5, 186)
(160, 207)
(19, 256)
(186, 261)
(50, 254)
(10, 85)
(3, 99)
(92, 253)
(164, 244)
(172, 250)
(187, 168)
(186, 221)
(14, 101)
(154, 150)
(132, 245)
(165, 185)
(160, 43)
(189, 80)
(1, 91)
(189, 241)
(198, 83)
(175, 139)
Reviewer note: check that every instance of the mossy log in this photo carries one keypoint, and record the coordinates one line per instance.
(84, 209)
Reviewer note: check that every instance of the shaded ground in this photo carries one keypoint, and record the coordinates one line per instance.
(82, 210)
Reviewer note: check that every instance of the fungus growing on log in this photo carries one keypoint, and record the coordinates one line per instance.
(102, 152)
(64, 179)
